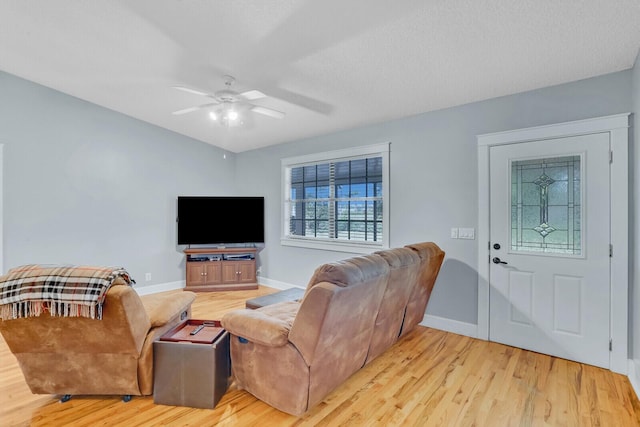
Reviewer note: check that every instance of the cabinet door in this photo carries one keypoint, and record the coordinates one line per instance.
(213, 272)
(195, 273)
(230, 272)
(246, 271)
(239, 272)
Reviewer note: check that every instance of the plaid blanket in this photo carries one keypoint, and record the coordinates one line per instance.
(62, 290)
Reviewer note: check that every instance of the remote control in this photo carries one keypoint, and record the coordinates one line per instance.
(196, 330)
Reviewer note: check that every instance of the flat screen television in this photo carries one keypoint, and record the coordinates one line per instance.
(220, 220)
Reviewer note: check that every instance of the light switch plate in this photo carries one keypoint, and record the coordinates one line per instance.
(467, 233)
(454, 233)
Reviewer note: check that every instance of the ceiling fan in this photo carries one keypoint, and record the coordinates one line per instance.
(226, 104)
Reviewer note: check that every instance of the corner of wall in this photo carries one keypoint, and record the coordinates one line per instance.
(1, 209)
(634, 376)
(450, 325)
(634, 309)
(276, 284)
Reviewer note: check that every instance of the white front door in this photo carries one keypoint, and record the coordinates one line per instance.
(549, 247)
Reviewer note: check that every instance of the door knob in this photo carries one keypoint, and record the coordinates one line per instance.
(497, 260)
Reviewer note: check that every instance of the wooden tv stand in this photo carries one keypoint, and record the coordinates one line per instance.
(221, 269)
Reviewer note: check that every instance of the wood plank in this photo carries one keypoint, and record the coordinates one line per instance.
(429, 378)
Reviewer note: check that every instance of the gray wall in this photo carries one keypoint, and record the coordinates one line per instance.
(433, 178)
(84, 184)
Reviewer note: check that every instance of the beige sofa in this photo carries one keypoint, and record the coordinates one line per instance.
(84, 356)
(292, 354)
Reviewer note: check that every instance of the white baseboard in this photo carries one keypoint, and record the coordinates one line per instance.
(634, 375)
(180, 284)
(276, 283)
(450, 325)
(161, 287)
(431, 321)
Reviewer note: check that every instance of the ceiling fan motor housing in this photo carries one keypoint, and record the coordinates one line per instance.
(227, 95)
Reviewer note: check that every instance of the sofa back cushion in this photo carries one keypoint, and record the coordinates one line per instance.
(333, 327)
(404, 267)
(431, 257)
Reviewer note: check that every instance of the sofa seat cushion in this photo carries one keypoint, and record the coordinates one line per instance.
(268, 325)
(161, 308)
(285, 311)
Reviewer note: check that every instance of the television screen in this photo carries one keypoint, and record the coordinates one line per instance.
(220, 220)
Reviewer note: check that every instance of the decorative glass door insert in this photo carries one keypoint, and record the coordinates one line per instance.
(546, 212)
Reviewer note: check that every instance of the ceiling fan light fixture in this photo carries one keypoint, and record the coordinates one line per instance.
(226, 115)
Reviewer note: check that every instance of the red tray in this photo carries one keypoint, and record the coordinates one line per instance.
(206, 335)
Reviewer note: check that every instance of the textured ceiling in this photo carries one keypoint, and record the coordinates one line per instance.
(330, 65)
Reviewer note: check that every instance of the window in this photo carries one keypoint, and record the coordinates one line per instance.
(546, 214)
(337, 200)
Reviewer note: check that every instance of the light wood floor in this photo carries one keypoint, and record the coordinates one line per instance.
(429, 378)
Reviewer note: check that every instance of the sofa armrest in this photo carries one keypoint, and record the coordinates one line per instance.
(268, 326)
(161, 308)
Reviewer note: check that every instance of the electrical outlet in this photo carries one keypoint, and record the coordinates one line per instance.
(147, 277)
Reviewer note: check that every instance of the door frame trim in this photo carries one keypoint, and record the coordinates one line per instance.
(618, 128)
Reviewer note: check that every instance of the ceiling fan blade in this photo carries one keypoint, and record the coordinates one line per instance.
(267, 111)
(300, 100)
(250, 95)
(193, 91)
(190, 109)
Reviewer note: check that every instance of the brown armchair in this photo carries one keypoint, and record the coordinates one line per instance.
(84, 356)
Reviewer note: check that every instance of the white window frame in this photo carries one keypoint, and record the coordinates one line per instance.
(377, 150)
